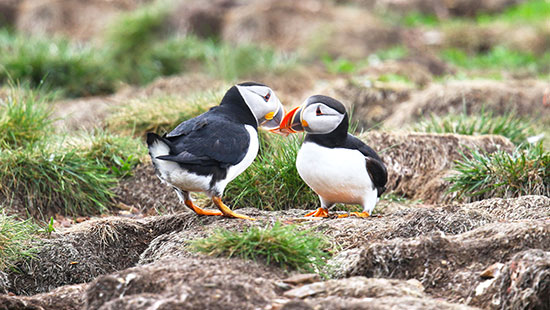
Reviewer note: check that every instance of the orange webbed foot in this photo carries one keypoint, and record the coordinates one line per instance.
(321, 212)
(200, 211)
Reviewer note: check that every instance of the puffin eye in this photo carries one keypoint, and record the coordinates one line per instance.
(266, 97)
(318, 112)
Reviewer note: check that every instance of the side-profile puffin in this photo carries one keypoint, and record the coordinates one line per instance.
(338, 167)
(205, 153)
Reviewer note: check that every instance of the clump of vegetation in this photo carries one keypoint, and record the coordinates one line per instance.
(526, 12)
(507, 125)
(500, 174)
(272, 181)
(48, 181)
(119, 154)
(497, 57)
(76, 70)
(283, 245)
(16, 237)
(24, 117)
(43, 174)
(161, 114)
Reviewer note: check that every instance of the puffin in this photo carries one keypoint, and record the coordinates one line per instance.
(337, 166)
(205, 153)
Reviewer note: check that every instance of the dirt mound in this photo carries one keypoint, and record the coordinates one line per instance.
(442, 9)
(88, 113)
(310, 25)
(80, 20)
(449, 266)
(144, 191)
(86, 251)
(523, 97)
(384, 303)
(68, 297)
(202, 18)
(418, 163)
(186, 284)
(370, 101)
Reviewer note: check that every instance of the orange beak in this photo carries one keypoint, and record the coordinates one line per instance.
(291, 123)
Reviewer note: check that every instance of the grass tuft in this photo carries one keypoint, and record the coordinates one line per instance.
(15, 239)
(515, 129)
(283, 245)
(47, 181)
(24, 117)
(482, 176)
(272, 181)
(55, 63)
(499, 57)
(160, 114)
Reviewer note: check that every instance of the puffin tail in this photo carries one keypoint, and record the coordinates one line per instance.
(157, 145)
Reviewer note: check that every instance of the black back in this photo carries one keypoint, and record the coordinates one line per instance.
(214, 141)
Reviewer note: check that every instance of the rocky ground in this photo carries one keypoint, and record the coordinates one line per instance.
(430, 252)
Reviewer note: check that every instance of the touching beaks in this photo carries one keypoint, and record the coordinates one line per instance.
(292, 122)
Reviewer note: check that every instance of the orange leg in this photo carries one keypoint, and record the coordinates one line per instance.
(321, 212)
(228, 212)
(200, 211)
(358, 214)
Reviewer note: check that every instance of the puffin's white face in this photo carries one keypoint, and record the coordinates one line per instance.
(319, 118)
(314, 116)
(264, 104)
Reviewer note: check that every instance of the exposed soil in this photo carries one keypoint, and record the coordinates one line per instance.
(444, 248)
(428, 250)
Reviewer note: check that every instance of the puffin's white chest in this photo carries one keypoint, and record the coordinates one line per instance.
(239, 168)
(338, 175)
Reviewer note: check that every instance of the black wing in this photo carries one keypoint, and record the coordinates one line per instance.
(375, 167)
(207, 140)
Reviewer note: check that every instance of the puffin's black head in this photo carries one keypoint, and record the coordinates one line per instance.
(256, 100)
(317, 115)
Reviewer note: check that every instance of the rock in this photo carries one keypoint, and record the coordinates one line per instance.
(419, 163)
(522, 283)
(302, 278)
(306, 290)
(384, 303)
(449, 266)
(523, 97)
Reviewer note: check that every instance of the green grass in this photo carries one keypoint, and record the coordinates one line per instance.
(498, 57)
(16, 238)
(55, 63)
(272, 181)
(283, 245)
(233, 62)
(43, 172)
(482, 176)
(416, 19)
(24, 117)
(118, 154)
(515, 129)
(161, 114)
(47, 181)
(526, 12)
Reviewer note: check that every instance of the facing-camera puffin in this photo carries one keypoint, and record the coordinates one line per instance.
(205, 153)
(338, 167)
